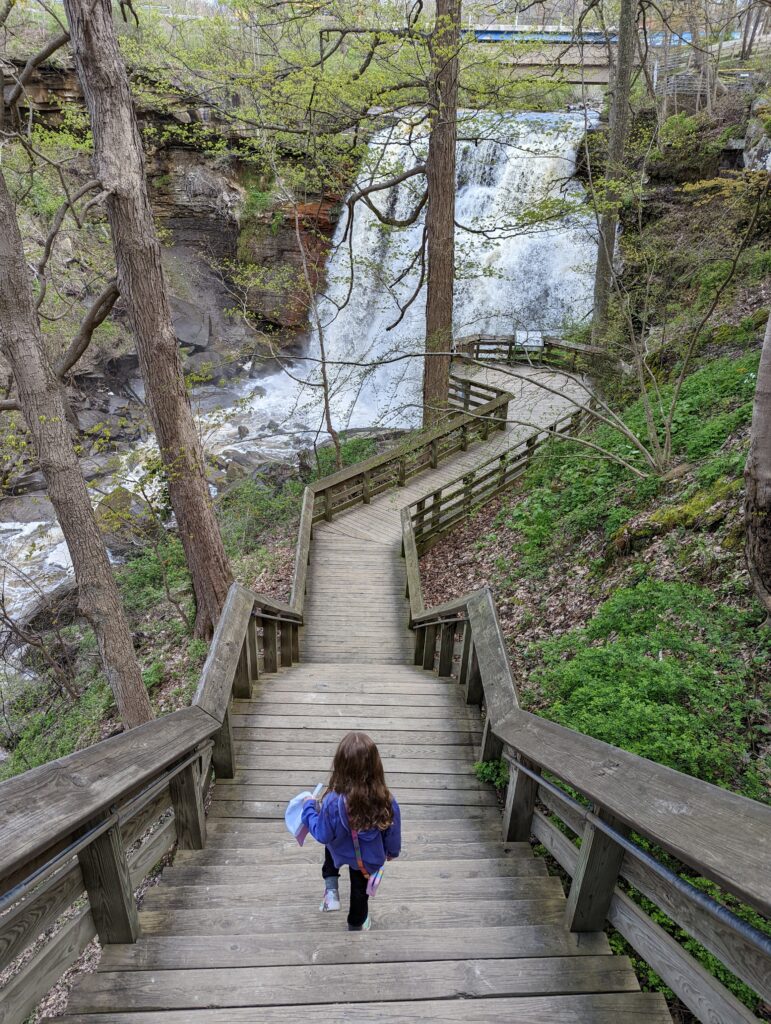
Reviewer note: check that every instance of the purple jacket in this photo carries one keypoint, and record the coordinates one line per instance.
(330, 826)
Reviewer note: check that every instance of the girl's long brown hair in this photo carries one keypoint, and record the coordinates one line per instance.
(357, 774)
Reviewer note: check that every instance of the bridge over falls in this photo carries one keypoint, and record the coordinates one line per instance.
(469, 925)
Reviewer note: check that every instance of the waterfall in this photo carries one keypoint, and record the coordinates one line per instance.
(512, 275)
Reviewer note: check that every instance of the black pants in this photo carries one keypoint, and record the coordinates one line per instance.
(359, 908)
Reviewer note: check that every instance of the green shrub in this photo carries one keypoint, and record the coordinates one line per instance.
(141, 580)
(494, 772)
(660, 671)
(154, 675)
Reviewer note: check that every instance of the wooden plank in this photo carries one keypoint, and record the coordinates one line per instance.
(25, 990)
(242, 683)
(392, 915)
(302, 551)
(108, 883)
(270, 645)
(48, 804)
(594, 879)
(187, 799)
(320, 721)
(246, 896)
(489, 645)
(226, 873)
(446, 649)
(604, 1008)
(144, 859)
(260, 753)
(193, 952)
(380, 731)
(699, 990)
(444, 797)
(520, 803)
(28, 919)
(332, 983)
(275, 809)
(721, 834)
(298, 780)
(223, 755)
(216, 682)
(219, 855)
(286, 645)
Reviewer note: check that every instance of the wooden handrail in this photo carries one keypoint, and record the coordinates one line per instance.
(716, 834)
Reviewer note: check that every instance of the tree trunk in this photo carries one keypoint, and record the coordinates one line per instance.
(42, 404)
(120, 166)
(757, 479)
(440, 212)
(619, 128)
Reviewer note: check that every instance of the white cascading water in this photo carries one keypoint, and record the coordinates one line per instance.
(530, 279)
(516, 276)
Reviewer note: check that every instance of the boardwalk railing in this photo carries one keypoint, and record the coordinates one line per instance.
(713, 835)
(93, 824)
(437, 512)
(513, 348)
(79, 834)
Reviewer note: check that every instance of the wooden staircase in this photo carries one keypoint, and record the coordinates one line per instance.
(468, 924)
(465, 927)
(233, 932)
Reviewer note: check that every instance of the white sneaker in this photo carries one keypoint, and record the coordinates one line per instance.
(331, 900)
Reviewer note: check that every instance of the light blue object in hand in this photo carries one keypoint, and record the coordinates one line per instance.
(293, 815)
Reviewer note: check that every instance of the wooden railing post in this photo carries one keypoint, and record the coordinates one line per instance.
(223, 753)
(420, 644)
(503, 416)
(286, 645)
(468, 484)
(295, 628)
(242, 684)
(189, 815)
(402, 477)
(464, 437)
(365, 492)
(474, 690)
(251, 647)
(594, 880)
(521, 793)
(447, 649)
(429, 649)
(434, 453)
(270, 645)
(491, 747)
(436, 508)
(110, 894)
(465, 655)
(327, 506)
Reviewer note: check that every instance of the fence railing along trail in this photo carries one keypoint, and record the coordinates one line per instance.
(565, 786)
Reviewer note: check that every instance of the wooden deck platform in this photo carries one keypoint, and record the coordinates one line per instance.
(465, 928)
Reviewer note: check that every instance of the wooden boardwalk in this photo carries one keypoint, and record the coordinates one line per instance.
(465, 927)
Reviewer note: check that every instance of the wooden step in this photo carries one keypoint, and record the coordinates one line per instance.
(428, 810)
(397, 780)
(351, 983)
(268, 831)
(610, 1008)
(254, 757)
(277, 852)
(310, 868)
(162, 953)
(425, 794)
(391, 749)
(292, 891)
(390, 915)
(331, 731)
